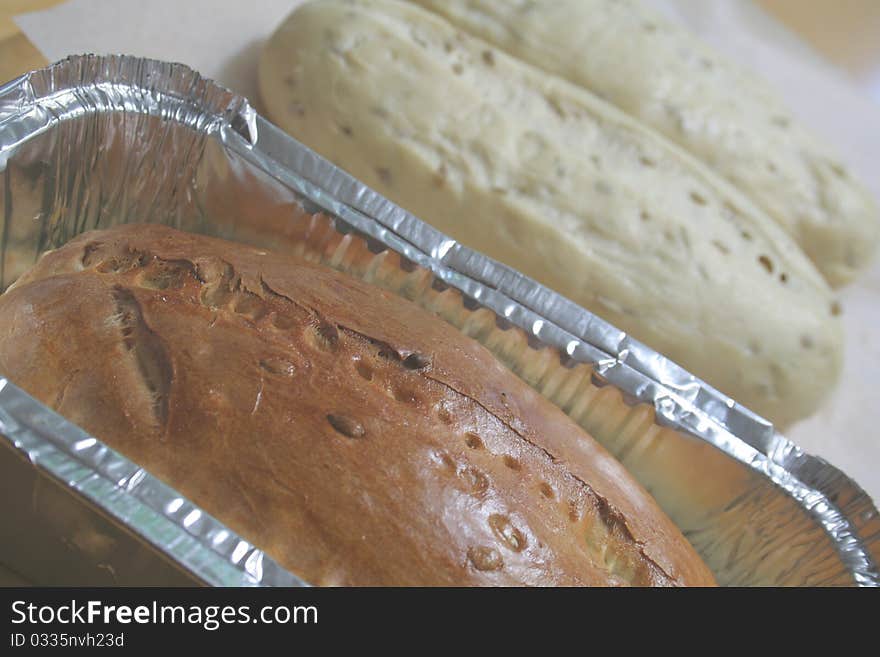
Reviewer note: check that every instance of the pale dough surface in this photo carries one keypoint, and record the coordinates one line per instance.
(539, 174)
(664, 76)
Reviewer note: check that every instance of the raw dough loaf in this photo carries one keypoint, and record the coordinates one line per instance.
(540, 174)
(662, 75)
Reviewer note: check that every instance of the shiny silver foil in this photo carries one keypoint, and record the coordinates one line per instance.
(93, 141)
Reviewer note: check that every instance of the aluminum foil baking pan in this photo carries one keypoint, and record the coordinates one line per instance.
(93, 141)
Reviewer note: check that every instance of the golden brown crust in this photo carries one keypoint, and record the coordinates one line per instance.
(352, 435)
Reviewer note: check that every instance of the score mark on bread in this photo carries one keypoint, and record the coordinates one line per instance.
(147, 349)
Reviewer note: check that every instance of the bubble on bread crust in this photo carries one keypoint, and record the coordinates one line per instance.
(512, 462)
(323, 336)
(215, 296)
(442, 458)
(124, 262)
(91, 254)
(476, 482)
(387, 353)
(251, 306)
(575, 511)
(443, 414)
(165, 275)
(486, 559)
(416, 361)
(279, 366)
(404, 395)
(504, 529)
(348, 427)
(547, 490)
(364, 370)
(472, 440)
(283, 322)
(219, 280)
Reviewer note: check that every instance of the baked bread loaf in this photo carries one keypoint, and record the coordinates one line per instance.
(541, 175)
(662, 75)
(353, 436)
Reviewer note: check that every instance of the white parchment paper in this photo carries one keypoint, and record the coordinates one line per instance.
(222, 40)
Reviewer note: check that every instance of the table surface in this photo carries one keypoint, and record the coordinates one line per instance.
(17, 54)
(847, 32)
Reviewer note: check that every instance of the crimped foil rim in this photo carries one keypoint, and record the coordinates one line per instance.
(92, 83)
